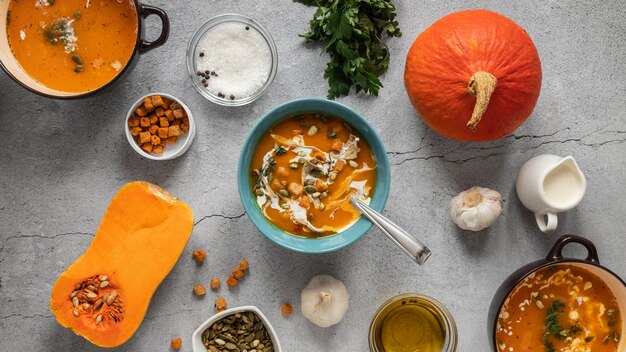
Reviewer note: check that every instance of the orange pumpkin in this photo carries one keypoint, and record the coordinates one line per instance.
(473, 75)
(103, 296)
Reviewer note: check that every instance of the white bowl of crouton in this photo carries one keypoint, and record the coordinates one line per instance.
(159, 127)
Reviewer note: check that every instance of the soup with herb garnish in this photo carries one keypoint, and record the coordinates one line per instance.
(72, 45)
(305, 168)
(560, 308)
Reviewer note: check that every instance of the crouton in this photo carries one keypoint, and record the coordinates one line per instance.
(153, 119)
(163, 122)
(170, 115)
(153, 129)
(179, 113)
(162, 132)
(159, 111)
(157, 100)
(144, 137)
(184, 127)
(158, 149)
(133, 121)
(147, 147)
(144, 122)
(155, 140)
(171, 140)
(147, 104)
(141, 111)
(174, 131)
(135, 131)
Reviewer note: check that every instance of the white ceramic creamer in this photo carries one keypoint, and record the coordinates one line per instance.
(550, 184)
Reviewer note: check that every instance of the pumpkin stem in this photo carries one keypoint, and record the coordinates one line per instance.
(481, 85)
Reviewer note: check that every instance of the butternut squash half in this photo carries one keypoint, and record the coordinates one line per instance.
(103, 296)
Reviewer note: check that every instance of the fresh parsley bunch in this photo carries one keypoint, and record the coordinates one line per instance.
(353, 30)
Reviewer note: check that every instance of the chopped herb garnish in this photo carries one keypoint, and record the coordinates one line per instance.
(552, 318)
(51, 2)
(78, 15)
(549, 346)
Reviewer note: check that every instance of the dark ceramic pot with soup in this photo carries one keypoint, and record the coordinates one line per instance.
(74, 48)
(560, 304)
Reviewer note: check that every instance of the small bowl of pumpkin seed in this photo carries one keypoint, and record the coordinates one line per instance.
(236, 330)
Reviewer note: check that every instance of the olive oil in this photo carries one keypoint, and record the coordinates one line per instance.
(412, 323)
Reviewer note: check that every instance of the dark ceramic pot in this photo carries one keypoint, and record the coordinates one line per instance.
(555, 256)
(10, 65)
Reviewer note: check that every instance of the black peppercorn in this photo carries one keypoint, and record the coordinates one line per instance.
(204, 81)
(212, 73)
(207, 72)
(247, 28)
(202, 54)
(232, 97)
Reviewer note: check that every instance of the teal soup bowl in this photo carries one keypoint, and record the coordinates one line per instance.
(244, 176)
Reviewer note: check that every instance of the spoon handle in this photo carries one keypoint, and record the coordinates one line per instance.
(409, 244)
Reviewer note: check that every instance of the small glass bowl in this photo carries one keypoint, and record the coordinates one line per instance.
(437, 309)
(192, 54)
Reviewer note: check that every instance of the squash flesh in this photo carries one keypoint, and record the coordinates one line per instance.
(139, 240)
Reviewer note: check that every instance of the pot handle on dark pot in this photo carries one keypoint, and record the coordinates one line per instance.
(145, 11)
(556, 251)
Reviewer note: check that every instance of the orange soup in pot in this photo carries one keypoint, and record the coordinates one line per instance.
(72, 45)
(560, 308)
(305, 168)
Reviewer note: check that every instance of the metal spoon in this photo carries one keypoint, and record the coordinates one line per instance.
(409, 244)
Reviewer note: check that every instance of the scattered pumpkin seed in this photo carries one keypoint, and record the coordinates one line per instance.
(316, 195)
(353, 164)
(312, 131)
(259, 192)
(79, 68)
(77, 59)
(310, 189)
(294, 166)
(333, 176)
(284, 193)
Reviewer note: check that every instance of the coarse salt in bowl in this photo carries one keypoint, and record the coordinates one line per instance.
(232, 60)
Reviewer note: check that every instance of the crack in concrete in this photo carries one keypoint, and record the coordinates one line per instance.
(444, 159)
(235, 217)
(44, 237)
(26, 316)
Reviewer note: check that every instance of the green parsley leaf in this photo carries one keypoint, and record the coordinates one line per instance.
(352, 31)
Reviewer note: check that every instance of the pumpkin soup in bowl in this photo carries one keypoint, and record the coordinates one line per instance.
(560, 307)
(312, 139)
(72, 48)
(305, 168)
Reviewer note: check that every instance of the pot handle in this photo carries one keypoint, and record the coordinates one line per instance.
(145, 11)
(555, 252)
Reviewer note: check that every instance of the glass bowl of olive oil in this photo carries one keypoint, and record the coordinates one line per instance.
(413, 322)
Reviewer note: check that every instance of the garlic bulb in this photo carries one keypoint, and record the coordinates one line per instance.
(476, 209)
(324, 301)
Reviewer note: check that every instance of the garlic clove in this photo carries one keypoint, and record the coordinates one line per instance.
(324, 301)
(476, 208)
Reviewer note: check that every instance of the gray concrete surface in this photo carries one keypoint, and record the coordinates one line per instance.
(62, 161)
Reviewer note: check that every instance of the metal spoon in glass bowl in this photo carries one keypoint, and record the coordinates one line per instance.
(409, 244)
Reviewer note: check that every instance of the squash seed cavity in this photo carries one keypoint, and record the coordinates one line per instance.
(98, 299)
